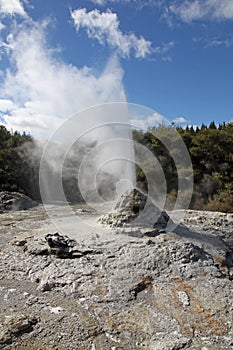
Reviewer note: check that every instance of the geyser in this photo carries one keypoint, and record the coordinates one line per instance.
(96, 147)
(96, 150)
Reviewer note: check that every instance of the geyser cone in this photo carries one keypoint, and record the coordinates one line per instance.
(133, 201)
(135, 208)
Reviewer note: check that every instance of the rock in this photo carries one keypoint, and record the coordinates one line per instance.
(15, 201)
(18, 242)
(146, 282)
(59, 245)
(46, 286)
(64, 247)
(37, 246)
(16, 327)
(135, 208)
(183, 298)
(133, 201)
(172, 342)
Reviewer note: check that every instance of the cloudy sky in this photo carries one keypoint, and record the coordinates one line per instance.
(58, 57)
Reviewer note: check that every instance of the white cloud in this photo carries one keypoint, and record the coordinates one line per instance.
(186, 10)
(191, 10)
(227, 42)
(152, 120)
(139, 3)
(164, 48)
(12, 7)
(6, 105)
(105, 28)
(45, 91)
(223, 9)
(180, 120)
(99, 2)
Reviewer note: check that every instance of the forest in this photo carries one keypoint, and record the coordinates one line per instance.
(210, 149)
(211, 152)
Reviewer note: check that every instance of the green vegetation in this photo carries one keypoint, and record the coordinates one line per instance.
(211, 152)
(210, 149)
(15, 172)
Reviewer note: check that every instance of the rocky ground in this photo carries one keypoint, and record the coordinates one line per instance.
(112, 289)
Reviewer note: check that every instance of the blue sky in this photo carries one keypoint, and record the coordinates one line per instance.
(61, 56)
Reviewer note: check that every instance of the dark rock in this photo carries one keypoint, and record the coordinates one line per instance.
(15, 201)
(146, 282)
(151, 233)
(56, 240)
(150, 242)
(64, 247)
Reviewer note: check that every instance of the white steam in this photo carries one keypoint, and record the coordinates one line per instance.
(41, 94)
(96, 147)
(43, 91)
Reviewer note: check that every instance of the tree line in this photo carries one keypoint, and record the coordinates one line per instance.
(211, 152)
(14, 168)
(210, 149)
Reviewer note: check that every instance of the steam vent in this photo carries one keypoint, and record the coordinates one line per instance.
(135, 208)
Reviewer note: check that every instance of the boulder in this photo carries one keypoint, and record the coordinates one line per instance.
(59, 245)
(15, 201)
